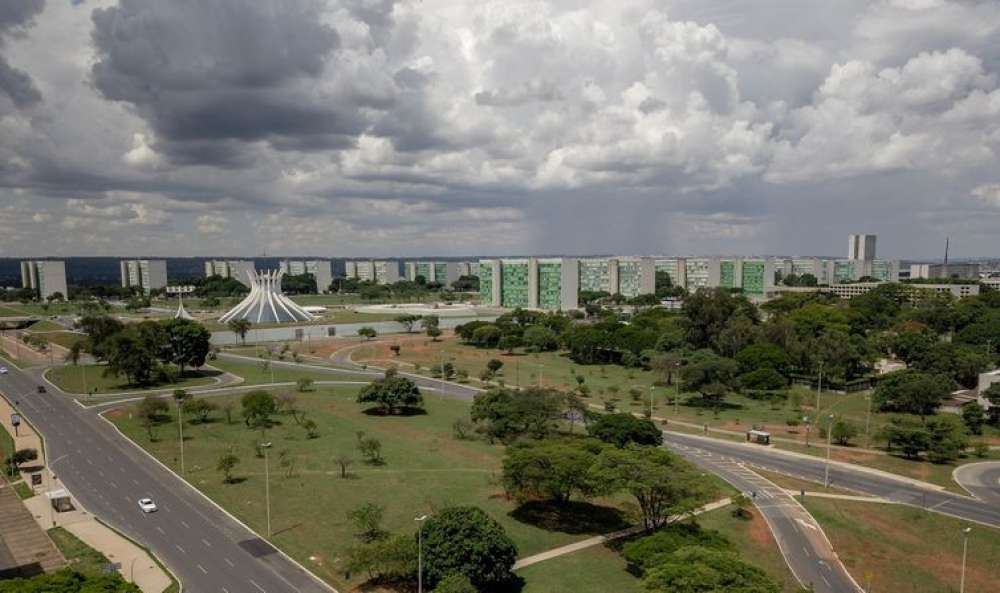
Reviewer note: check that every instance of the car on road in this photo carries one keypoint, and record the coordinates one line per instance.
(3, 370)
(147, 505)
(41, 389)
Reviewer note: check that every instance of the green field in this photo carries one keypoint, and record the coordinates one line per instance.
(255, 373)
(900, 548)
(85, 378)
(23, 310)
(755, 543)
(79, 556)
(593, 570)
(66, 339)
(426, 469)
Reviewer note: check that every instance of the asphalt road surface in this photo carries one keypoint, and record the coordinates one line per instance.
(850, 477)
(808, 552)
(206, 549)
(982, 480)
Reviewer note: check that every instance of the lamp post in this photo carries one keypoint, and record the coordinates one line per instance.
(541, 371)
(267, 486)
(179, 397)
(868, 422)
(819, 388)
(651, 387)
(965, 550)
(677, 397)
(829, 442)
(420, 552)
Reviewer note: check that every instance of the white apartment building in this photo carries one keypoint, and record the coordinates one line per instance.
(239, 269)
(148, 274)
(377, 271)
(46, 277)
(440, 272)
(320, 269)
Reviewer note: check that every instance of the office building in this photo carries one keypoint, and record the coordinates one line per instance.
(861, 247)
(440, 272)
(45, 277)
(914, 291)
(320, 269)
(533, 283)
(377, 271)
(673, 267)
(238, 270)
(936, 271)
(147, 274)
(627, 276)
(468, 269)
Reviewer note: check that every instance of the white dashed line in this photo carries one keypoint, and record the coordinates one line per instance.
(202, 568)
(229, 562)
(160, 529)
(205, 541)
(186, 526)
(254, 583)
(180, 548)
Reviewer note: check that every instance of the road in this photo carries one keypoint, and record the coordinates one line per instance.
(981, 480)
(205, 548)
(806, 549)
(847, 476)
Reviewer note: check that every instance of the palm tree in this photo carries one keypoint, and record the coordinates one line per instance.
(240, 327)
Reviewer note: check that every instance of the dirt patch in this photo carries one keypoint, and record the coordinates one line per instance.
(116, 413)
(759, 532)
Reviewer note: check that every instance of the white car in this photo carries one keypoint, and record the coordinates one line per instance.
(147, 505)
(3, 370)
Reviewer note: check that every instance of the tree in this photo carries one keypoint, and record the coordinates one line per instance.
(505, 414)
(18, 457)
(648, 551)
(992, 395)
(485, 336)
(310, 427)
(708, 311)
(395, 348)
(434, 332)
(368, 333)
(465, 540)
(227, 463)
(201, 408)
(447, 371)
(258, 407)
(621, 430)
(432, 325)
(696, 569)
(392, 393)
(455, 583)
(344, 461)
(709, 374)
(151, 412)
(762, 379)
(370, 448)
(911, 392)
(303, 384)
(493, 366)
(539, 338)
(551, 470)
(134, 352)
(843, 431)
(407, 321)
(240, 327)
(911, 440)
(68, 581)
(187, 342)
(74, 352)
(660, 482)
(367, 519)
(388, 560)
(974, 417)
(759, 356)
(509, 342)
(946, 439)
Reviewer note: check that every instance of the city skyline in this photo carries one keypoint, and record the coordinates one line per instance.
(422, 129)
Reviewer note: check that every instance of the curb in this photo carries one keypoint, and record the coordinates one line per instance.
(955, 479)
(311, 574)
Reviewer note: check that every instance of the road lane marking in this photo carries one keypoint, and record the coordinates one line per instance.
(205, 541)
(254, 583)
(186, 526)
(940, 504)
(180, 548)
(224, 590)
(825, 580)
(160, 529)
(229, 562)
(202, 568)
(806, 550)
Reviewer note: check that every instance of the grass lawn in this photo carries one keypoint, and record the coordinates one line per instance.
(426, 469)
(254, 373)
(332, 316)
(46, 326)
(899, 548)
(23, 310)
(79, 556)
(594, 570)
(71, 378)
(64, 338)
(754, 542)
(22, 490)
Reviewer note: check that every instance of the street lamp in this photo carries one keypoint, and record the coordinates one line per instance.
(829, 442)
(267, 487)
(420, 552)
(965, 549)
(819, 387)
(868, 422)
(651, 387)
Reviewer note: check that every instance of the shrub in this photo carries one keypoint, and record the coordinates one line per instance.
(623, 429)
(467, 541)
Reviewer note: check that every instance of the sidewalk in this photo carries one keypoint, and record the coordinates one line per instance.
(600, 539)
(136, 564)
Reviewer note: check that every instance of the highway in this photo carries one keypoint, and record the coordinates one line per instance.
(205, 548)
(806, 549)
(846, 476)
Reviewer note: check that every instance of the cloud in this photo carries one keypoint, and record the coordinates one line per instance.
(15, 18)
(988, 193)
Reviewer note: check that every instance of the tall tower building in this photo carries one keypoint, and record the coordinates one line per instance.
(861, 247)
(148, 274)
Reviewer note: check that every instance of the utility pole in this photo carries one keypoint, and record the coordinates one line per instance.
(541, 370)
(829, 442)
(420, 552)
(868, 422)
(819, 388)
(267, 486)
(965, 550)
(651, 402)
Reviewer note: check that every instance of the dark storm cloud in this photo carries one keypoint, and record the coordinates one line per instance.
(15, 17)
(204, 73)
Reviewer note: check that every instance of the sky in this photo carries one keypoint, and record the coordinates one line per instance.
(345, 128)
